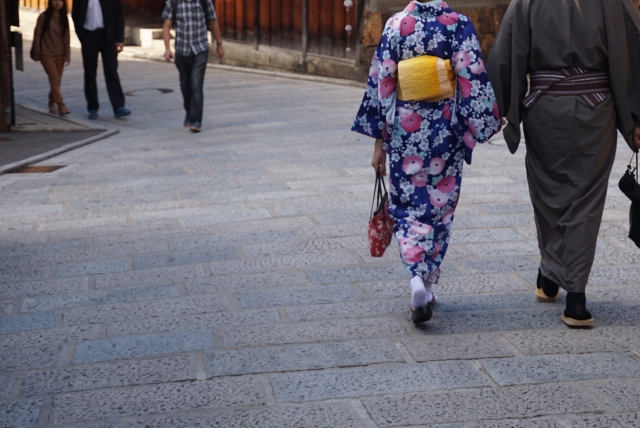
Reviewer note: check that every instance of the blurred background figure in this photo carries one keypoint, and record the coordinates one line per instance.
(100, 27)
(51, 48)
(191, 19)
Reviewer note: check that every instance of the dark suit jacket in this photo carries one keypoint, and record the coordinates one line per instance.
(111, 13)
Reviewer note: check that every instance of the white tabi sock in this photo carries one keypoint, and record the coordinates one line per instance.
(418, 294)
(429, 294)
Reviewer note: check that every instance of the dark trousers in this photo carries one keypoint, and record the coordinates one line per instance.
(94, 43)
(191, 69)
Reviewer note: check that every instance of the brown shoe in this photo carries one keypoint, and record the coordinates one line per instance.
(52, 108)
(63, 109)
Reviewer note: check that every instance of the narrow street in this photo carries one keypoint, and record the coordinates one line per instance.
(223, 279)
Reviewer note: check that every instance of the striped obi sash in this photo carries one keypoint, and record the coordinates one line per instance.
(592, 86)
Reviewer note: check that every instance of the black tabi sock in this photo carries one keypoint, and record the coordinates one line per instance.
(549, 287)
(577, 307)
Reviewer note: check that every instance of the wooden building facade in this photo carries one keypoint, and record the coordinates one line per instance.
(331, 26)
(324, 27)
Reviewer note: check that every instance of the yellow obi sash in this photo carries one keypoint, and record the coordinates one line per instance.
(425, 78)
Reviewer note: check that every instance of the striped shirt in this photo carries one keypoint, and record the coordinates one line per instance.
(190, 25)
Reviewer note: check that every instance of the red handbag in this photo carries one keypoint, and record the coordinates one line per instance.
(380, 223)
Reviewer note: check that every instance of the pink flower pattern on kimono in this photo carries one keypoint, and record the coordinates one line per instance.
(427, 143)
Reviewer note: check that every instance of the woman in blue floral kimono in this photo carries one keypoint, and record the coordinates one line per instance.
(427, 142)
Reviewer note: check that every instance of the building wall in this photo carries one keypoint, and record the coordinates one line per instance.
(485, 14)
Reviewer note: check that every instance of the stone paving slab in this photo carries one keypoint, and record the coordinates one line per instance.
(53, 336)
(454, 323)
(630, 420)
(153, 400)
(142, 346)
(295, 296)
(298, 261)
(622, 395)
(329, 415)
(500, 265)
(6, 383)
(355, 274)
(478, 405)
(457, 347)
(347, 310)
(180, 306)
(312, 332)
(27, 322)
(22, 414)
(452, 285)
(302, 357)
(522, 423)
(8, 276)
(109, 375)
(193, 322)
(39, 249)
(235, 239)
(122, 249)
(313, 246)
(185, 257)
(32, 358)
(335, 384)
(604, 339)
(149, 276)
(97, 297)
(257, 281)
(560, 368)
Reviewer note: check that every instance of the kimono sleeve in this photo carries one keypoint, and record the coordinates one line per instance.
(477, 117)
(507, 66)
(380, 95)
(623, 39)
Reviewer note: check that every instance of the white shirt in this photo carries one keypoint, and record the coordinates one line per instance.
(94, 19)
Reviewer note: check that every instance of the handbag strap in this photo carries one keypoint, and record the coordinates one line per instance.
(376, 192)
(380, 194)
(633, 171)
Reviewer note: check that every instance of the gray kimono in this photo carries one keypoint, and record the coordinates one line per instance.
(570, 145)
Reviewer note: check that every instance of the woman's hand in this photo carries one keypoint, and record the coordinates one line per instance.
(636, 137)
(379, 158)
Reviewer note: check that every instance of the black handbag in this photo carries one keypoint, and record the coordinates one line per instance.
(629, 186)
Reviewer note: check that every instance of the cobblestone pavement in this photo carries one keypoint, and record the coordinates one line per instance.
(163, 279)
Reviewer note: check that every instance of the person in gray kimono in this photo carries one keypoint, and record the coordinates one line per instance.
(583, 61)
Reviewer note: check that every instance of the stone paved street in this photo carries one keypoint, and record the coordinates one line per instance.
(163, 279)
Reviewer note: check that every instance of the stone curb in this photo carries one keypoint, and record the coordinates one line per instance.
(74, 120)
(55, 152)
(318, 79)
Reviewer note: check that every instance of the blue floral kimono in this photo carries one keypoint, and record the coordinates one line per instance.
(427, 142)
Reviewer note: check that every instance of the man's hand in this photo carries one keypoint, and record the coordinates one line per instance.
(379, 158)
(220, 51)
(636, 137)
(168, 55)
(119, 47)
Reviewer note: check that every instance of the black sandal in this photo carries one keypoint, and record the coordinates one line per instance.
(421, 314)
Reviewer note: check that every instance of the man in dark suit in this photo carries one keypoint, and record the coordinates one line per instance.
(100, 28)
